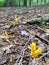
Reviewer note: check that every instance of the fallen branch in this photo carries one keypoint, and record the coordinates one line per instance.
(41, 29)
(47, 41)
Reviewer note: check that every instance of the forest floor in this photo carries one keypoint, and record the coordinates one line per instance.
(15, 40)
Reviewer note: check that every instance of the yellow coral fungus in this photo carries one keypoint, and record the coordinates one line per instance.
(6, 33)
(34, 52)
(16, 21)
(33, 46)
(8, 36)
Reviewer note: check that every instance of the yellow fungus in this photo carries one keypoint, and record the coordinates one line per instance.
(8, 36)
(33, 46)
(16, 21)
(34, 52)
(6, 33)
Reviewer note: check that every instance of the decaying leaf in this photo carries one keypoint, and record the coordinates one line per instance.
(7, 47)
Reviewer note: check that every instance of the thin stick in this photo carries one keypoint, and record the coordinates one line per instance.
(21, 56)
(41, 58)
(46, 40)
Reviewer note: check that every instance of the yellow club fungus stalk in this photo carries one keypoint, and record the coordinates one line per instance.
(33, 46)
(16, 21)
(34, 52)
(6, 34)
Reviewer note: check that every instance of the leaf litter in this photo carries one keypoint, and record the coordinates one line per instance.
(16, 38)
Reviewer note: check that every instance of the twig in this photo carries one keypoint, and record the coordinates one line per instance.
(47, 41)
(41, 57)
(41, 29)
(38, 59)
(21, 56)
